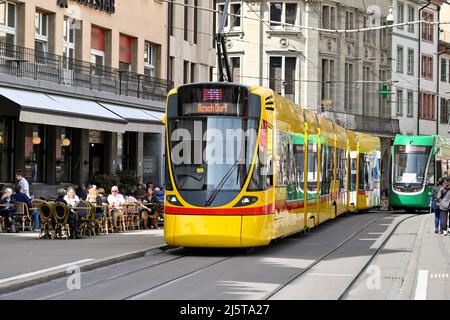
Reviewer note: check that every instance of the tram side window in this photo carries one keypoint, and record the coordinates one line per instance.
(341, 170)
(262, 177)
(326, 169)
(312, 167)
(430, 172)
(365, 172)
(299, 162)
(281, 158)
(353, 167)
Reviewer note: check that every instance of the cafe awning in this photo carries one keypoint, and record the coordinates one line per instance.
(56, 110)
(139, 120)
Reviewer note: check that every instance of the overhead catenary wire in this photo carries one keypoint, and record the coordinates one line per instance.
(293, 26)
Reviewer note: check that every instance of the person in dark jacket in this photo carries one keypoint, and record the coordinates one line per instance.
(444, 205)
(21, 196)
(81, 192)
(436, 201)
(72, 218)
(8, 211)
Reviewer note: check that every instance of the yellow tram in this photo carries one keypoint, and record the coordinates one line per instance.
(245, 166)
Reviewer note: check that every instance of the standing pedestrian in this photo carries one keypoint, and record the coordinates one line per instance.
(436, 194)
(444, 205)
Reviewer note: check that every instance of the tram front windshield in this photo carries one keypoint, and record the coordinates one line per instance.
(410, 164)
(212, 143)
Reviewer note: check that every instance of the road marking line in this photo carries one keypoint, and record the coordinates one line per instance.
(368, 239)
(30, 274)
(375, 233)
(422, 283)
(330, 274)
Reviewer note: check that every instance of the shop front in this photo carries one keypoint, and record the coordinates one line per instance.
(59, 140)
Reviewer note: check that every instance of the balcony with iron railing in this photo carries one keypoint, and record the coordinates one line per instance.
(32, 64)
(364, 123)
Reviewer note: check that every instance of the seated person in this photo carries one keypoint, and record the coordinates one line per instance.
(151, 205)
(143, 210)
(21, 196)
(116, 202)
(72, 218)
(94, 198)
(101, 193)
(159, 195)
(8, 211)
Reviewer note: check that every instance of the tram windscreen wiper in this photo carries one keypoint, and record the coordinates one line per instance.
(221, 184)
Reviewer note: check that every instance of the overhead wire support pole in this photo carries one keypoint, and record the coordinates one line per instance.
(222, 54)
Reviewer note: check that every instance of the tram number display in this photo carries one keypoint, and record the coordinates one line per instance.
(216, 108)
(412, 149)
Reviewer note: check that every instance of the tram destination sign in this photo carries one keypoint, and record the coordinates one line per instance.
(108, 6)
(413, 149)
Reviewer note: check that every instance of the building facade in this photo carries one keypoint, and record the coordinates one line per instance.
(82, 90)
(416, 67)
(192, 54)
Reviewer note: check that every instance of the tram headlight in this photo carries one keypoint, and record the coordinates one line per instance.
(246, 200)
(173, 200)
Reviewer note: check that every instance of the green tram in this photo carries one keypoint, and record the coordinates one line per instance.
(417, 163)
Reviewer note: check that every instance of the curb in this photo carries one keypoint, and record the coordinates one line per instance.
(15, 285)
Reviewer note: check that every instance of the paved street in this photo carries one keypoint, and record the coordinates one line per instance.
(24, 256)
(322, 264)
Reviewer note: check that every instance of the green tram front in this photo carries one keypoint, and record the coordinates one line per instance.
(413, 171)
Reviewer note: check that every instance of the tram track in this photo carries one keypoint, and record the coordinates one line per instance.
(306, 270)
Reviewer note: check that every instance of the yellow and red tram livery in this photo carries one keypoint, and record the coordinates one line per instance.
(245, 166)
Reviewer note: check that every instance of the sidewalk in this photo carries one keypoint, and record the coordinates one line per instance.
(25, 260)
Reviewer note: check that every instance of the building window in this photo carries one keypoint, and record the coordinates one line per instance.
(411, 18)
(427, 67)
(399, 59)
(444, 70)
(69, 42)
(282, 75)
(427, 29)
(195, 29)
(400, 13)
(399, 102)
(410, 101)
(349, 23)
(8, 21)
(6, 156)
(382, 101)
(366, 92)
(328, 17)
(366, 34)
(193, 67)
(427, 104)
(232, 21)
(348, 98)
(149, 59)
(410, 62)
(34, 166)
(186, 72)
(444, 111)
(328, 76)
(98, 46)
(383, 35)
(283, 13)
(235, 64)
(41, 35)
(125, 55)
(186, 20)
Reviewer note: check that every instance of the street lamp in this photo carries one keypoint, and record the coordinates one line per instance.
(390, 17)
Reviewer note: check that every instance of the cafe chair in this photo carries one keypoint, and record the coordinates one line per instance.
(23, 216)
(45, 210)
(61, 214)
